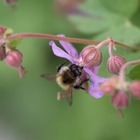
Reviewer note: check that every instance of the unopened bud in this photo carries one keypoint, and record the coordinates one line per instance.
(10, 1)
(134, 88)
(14, 59)
(120, 99)
(115, 63)
(109, 86)
(91, 56)
(2, 30)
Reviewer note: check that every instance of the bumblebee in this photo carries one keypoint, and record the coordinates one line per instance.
(68, 78)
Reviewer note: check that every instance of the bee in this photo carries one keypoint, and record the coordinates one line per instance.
(68, 78)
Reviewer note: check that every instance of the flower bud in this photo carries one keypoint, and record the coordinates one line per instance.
(2, 30)
(109, 86)
(2, 53)
(90, 56)
(134, 88)
(115, 63)
(67, 6)
(10, 1)
(120, 99)
(14, 59)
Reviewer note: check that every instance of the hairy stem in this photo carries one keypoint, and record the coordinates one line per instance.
(74, 40)
(110, 48)
(103, 43)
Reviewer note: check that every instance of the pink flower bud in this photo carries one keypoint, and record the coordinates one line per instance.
(134, 88)
(2, 30)
(120, 99)
(2, 53)
(10, 1)
(108, 86)
(115, 63)
(90, 56)
(14, 59)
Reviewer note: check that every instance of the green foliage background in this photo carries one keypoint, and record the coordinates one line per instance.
(29, 108)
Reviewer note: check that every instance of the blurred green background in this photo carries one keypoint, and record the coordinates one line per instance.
(29, 108)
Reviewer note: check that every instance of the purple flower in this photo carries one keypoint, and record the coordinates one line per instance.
(95, 80)
(73, 57)
(71, 54)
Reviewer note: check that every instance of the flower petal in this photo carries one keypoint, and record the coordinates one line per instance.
(95, 78)
(96, 69)
(59, 52)
(84, 77)
(68, 47)
(93, 92)
(94, 88)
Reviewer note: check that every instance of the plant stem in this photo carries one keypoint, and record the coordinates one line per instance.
(110, 48)
(123, 68)
(103, 43)
(74, 40)
(126, 46)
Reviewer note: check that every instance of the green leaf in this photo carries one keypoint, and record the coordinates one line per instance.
(15, 42)
(125, 8)
(108, 16)
(126, 33)
(8, 31)
(134, 73)
(97, 18)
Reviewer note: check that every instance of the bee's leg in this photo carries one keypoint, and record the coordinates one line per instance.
(83, 82)
(59, 67)
(79, 87)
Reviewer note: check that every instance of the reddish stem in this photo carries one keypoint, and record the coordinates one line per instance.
(110, 48)
(74, 40)
(102, 43)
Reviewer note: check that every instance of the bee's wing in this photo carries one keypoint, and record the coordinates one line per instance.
(68, 98)
(49, 77)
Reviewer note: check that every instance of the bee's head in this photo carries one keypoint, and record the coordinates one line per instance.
(76, 70)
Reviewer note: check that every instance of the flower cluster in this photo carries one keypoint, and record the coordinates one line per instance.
(13, 56)
(121, 92)
(89, 60)
(85, 59)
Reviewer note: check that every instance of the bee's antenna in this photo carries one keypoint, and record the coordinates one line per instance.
(59, 67)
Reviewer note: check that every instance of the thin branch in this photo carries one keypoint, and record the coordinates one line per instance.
(74, 40)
